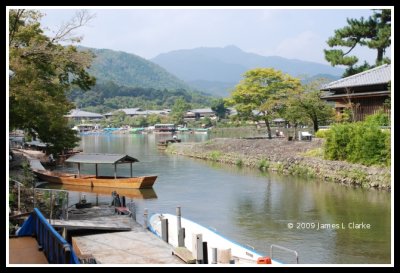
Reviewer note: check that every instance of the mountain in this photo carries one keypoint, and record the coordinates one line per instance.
(131, 70)
(218, 70)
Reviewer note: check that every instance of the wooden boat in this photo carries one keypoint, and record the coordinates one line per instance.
(129, 193)
(115, 181)
(239, 253)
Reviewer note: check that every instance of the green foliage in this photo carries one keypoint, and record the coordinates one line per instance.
(305, 106)
(317, 152)
(380, 119)
(321, 133)
(44, 72)
(264, 90)
(178, 111)
(11, 198)
(361, 142)
(278, 166)
(218, 106)
(131, 71)
(263, 164)
(302, 171)
(356, 176)
(374, 32)
(215, 155)
(107, 96)
(239, 162)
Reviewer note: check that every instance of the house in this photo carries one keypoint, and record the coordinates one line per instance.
(364, 93)
(196, 114)
(138, 112)
(77, 114)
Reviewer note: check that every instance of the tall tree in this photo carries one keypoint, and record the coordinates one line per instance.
(307, 106)
(374, 32)
(264, 90)
(179, 110)
(44, 73)
(218, 106)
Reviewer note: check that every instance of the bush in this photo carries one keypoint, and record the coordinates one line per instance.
(380, 118)
(215, 155)
(239, 162)
(263, 164)
(321, 133)
(361, 142)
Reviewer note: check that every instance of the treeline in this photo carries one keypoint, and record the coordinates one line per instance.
(110, 96)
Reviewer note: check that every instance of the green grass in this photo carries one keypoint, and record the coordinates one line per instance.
(215, 155)
(263, 164)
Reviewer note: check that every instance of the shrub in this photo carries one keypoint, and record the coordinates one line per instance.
(263, 164)
(215, 155)
(360, 142)
(239, 162)
(321, 133)
(380, 118)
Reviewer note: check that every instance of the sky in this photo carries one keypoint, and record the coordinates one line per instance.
(291, 33)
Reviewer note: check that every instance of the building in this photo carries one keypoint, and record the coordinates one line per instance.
(196, 114)
(132, 112)
(80, 115)
(364, 93)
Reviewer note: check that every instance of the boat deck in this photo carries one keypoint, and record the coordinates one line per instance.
(24, 250)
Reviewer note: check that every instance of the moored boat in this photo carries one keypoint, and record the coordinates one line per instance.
(141, 182)
(239, 253)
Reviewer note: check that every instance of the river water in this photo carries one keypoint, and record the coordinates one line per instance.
(324, 222)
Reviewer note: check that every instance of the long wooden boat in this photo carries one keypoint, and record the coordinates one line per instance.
(239, 253)
(141, 182)
(148, 193)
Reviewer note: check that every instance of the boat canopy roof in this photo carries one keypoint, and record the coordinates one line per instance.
(101, 158)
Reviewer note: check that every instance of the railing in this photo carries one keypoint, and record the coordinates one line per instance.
(284, 249)
(54, 246)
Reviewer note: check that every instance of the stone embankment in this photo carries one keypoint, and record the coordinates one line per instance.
(303, 158)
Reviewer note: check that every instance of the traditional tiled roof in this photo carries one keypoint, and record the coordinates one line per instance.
(76, 113)
(203, 110)
(377, 75)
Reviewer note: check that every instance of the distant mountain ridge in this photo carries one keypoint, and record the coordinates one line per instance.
(218, 70)
(131, 70)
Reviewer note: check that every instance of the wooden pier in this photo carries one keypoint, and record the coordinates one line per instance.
(138, 246)
(24, 250)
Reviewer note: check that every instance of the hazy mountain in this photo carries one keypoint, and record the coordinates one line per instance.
(217, 70)
(131, 70)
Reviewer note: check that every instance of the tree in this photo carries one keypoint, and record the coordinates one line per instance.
(265, 90)
(44, 72)
(179, 110)
(307, 104)
(374, 32)
(218, 106)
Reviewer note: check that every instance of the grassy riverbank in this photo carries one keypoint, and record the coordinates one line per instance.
(302, 158)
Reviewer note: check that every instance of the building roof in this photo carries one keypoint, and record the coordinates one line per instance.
(374, 76)
(203, 110)
(77, 113)
(101, 158)
(353, 95)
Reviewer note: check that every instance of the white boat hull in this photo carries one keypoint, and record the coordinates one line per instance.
(240, 254)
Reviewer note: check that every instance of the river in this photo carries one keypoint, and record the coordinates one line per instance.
(324, 222)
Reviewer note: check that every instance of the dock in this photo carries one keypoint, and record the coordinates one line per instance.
(24, 250)
(138, 246)
(120, 223)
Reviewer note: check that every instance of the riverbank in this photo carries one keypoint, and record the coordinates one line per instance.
(303, 158)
